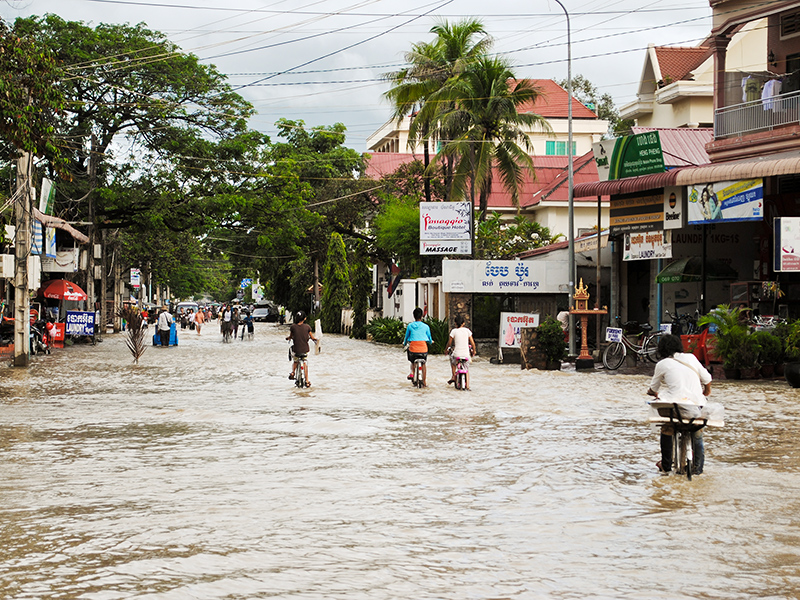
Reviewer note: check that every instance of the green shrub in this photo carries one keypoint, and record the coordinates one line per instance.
(387, 330)
(550, 339)
(771, 347)
(440, 333)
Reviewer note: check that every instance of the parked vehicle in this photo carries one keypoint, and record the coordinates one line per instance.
(266, 313)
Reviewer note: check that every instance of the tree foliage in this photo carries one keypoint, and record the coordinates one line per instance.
(602, 104)
(496, 239)
(397, 231)
(335, 285)
(361, 284)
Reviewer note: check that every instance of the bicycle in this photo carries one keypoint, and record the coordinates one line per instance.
(300, 370)
(615, 353)
(684, 324)
(416, 379)
(686, 420)
(462, 368)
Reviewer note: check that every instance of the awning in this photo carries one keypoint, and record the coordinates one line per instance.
(787, 163)
(51, 221)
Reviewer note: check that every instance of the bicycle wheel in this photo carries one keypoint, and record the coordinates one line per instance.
(614, 355)
(460, 380)
(689, 441)
(650, 349)
(677, 454)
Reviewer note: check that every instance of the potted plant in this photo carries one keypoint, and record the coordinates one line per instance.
(747, 356)
(791, 353)
(770, 353)
(732, 334)
(550, 342)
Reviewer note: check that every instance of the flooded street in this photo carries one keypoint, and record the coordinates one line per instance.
(204, 473)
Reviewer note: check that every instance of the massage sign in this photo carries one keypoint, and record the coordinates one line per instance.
(445, 228)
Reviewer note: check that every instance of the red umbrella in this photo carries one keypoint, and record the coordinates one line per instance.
(61, 289)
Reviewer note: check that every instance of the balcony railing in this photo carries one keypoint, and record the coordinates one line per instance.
(758, 115)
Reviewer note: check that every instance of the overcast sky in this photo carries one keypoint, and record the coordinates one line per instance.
(321, 61)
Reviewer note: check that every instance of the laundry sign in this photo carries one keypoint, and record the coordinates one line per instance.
(647, 245)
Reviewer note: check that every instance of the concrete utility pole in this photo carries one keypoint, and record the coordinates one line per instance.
(23, 208)
(90, 262)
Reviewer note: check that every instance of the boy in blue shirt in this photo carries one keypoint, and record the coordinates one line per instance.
(418, 336)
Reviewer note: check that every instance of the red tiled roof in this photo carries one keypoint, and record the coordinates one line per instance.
(677, 63)
(682, 146)
(550, 183)
(553, 102)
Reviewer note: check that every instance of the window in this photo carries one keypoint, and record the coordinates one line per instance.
(790, 24)
(554, 148)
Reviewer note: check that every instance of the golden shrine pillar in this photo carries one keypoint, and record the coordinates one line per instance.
(581, 308)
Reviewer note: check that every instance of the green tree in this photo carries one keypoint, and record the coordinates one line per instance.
(397, 232)
(496, 240)
(602, 104)
(430, 66)
(335, 285)
(492, 133)
(30, 94)
(361, 282)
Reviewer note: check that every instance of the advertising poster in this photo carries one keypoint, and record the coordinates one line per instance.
(786, 252)
(674, 214)
(726, 201)
(647, 245)
(80, 323)
(511, 325)
(444, 221)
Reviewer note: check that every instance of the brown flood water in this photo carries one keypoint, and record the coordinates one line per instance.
(204, 473)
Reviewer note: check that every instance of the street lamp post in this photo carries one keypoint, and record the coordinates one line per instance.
(570, 174)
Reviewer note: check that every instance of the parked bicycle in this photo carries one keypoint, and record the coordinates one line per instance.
(630, 337)
(684, 324)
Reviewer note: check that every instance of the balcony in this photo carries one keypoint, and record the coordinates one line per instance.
(748, 118)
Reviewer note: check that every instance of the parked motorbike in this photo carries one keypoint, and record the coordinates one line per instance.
(40, 342)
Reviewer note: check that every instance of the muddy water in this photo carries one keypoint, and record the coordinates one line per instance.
(204, 473)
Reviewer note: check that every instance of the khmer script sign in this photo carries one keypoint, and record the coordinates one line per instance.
(504, 276)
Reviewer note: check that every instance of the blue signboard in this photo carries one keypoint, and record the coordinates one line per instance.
(80, 323)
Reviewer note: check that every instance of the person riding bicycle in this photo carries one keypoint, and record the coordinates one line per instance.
(679, 377)
(463, 347)
(300, 333)
(417, 338)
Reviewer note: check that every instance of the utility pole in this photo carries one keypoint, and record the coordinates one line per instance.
(90, 278)
(22, 247)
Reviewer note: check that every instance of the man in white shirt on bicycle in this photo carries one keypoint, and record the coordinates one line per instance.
(679, 377)
(463, 347)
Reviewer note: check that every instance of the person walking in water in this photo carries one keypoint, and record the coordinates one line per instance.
(164, 326)
(417, 338)
(199, 319)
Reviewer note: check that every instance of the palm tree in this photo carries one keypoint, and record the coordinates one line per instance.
(431, 66)
(488, 131)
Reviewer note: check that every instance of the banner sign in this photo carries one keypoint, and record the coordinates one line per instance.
(647, 245)
(726, 201)
(786, 253)
(511, 325)
(505, 276)
(637, 213)
(674, 213)
(136, 278)
(80, 322)
(629, 156)
(445, 247)
(445, 221)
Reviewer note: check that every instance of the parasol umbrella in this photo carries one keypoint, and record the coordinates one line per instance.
(688, 269)
(61, 289)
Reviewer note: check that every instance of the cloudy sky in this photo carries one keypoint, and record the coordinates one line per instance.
(321, 61)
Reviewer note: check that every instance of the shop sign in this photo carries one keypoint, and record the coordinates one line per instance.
(504, 276)
(80, 322)
(637, 213)
(786, 252)
(136, 278)
(726, 201)
(445, 247)
(445, 221)
(674, 214)
(629, 156)
(647, 245)
(511, 325)
(589, 244)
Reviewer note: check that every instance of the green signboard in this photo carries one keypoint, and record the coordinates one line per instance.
(629, 156)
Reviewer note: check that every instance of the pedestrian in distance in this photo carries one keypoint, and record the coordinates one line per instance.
(300, 332)
(416, 340)
(679, 377)
(164, 326)
(462, 345)
(199, 320)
